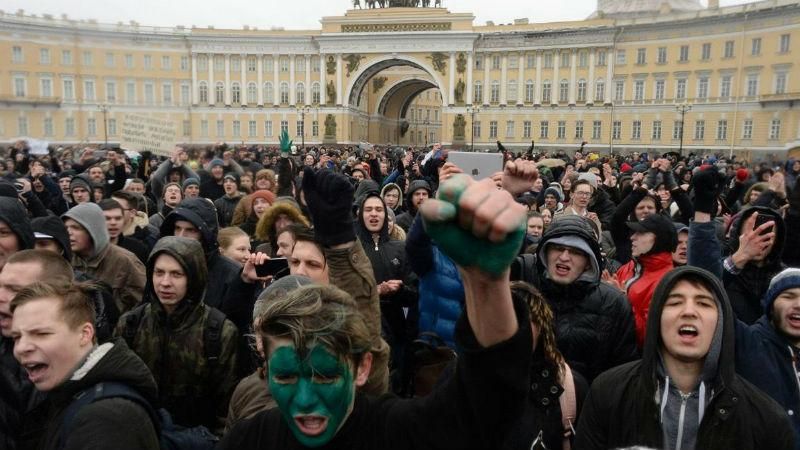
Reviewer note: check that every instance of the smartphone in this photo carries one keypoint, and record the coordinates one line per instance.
(273, 267)
(761, 219)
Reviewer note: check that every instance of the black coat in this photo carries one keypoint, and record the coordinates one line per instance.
(621, 409)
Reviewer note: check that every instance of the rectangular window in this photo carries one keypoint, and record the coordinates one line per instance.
(616, 130)
(495, 62)
(46, 87)
(579, 129)
(87, 58)
(619, 90)
(699, 130)
(638, 90)
(599, 91)
(129, 61)
(91, 127)
(563, 91)
(185, 94)
(548, 60)
(495, 97)
(725, 86)
(22, 126)
(478, 65)
(620, 57)
(680, 89)
(702, 87)
(166, 63)
(729, 49)
(641, 56)
(204, 128)
(601, 58)
(562, 129)
(722, 130)
(284, 126)
(706, 53)
(513, 62)
(544, 129)
(88, 90)
(636, 130)
(187, 128)
(677, 130)
(775, 129)
(747, 129)
(583, 59)
(476, 128)
(219, 63)
(656, 130)
(166, 93)
(755, 47)
(148, 62)
(546, 92)
(16, 54)
(44, 56)
(566, 60)
(268, 128)
(69, 126)
(300, 127)
(149, 94)
(112, 127)
(184, 63)
(780, 83)
(684, 55)
(237, 128)
(526, 129)
(510, 129)
(493, 129)
(48, 126)
(752, 85)
(785, 42)
(530, 61)
(235, 64)
(66, 57)
(19, 86)
(111, 91)
(268, 64)
(109, 59)
(478, 93)
(662, 55)
(660, 88)
(220, 128)
(597, 129)
(300, 64)
(69, 89)
(529, 91)
(130, 92)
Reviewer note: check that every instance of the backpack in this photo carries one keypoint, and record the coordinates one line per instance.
(170, 435)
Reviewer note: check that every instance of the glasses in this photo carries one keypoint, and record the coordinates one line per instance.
(582, 194)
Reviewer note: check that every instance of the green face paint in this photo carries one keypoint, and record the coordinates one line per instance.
(315, 394)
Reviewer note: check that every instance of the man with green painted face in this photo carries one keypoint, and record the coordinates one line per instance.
(317, 343)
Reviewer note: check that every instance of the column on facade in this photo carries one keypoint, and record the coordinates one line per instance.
(470, 67)
(487, 82)
(260, 78)
(323, 69)
(195, 84)
(573, 72)
(555, 93)
(212, 88)
(243, 89)
(307, 99)
(503, 78)
(276, 81)
(590, 81)
(292, 82)
(609, 74)
(339, 79)
(538, 87)
(451, 97)
(521, 79)
(227, 79)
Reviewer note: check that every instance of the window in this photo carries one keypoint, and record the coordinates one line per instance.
(511, 91)
(725, 86)
(149, 94)
(493, 129)
(513, 62)
(684, 55)
(220, 128)
(526, 129)
(112, 127)
(702, 87)
(722, 130)
(204, 128)
(69, 126)
(300, 64)
(495, 94)
(219, 92)
(478, 62)
(236, 93)
(662, 55)
(680, 89)
(706, 52)
(300, 94)
(620, 57)
(129, 61)
(202, 62)
(87, 58)
(747, 129)
(88, 90)
(638, 90)
(148, 62)
(581, 90)
(46, 87)
(19, 86)
(495, 62)
(699, 130)
(111, 92)
(546, 94)
(597, 129)
(268, 64)
(237, 128)
(784, 45)
(315, 67)
(91, 127)
(16, 54)
(166, 93)
(184, 63)
(619, 90)
(252, 93)
(109, 59)
(775, 129)
(315, 93)
(268, 128)
(315, 128)
(22, 126)
(187, 128)
(599, 91)
(780, 83)
(69, 89)
(656, 130)
(185, 94)
(476, 128)
(530, 61)
(636, 130)
(548, 60)
(203, 92)
(166, 63)
(660, 87)
(130, 92)
(562, 129)
(544, 129)
(641, 56)
(579, 129)
(583, 59)
(284, 92)
(236, 64)
(269, 95)
(563, 91)
(44, 56)
(616, 130)
(510, 129)
(219, 63)
(601, 58)
(529, 91)
(477, 92)
(566, 60)
(755, 47)
(729, 49)
(47, 125)
(752, 85)
(66, 57)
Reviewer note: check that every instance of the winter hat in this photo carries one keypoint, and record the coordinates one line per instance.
(216, 162)
(232, 176)
(8, 190)
(742, 175)
(266, 195)
(80, 181)
(554, 191)
(625, 168)
(590, 177)
(662, 227)
(789, 278)
(50, 227)
(190, 182)
(90, 216)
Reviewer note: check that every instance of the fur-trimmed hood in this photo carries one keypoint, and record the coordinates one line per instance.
(265, 230)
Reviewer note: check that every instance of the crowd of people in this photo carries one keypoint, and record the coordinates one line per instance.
(380, 298)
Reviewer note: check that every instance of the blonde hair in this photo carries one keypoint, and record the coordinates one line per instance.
(226, 236)
(77, 307)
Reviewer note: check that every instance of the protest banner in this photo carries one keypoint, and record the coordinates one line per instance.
(144, 133)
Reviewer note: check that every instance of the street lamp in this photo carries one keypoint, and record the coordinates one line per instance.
(104, 108)
(302, 113)
(682, 108)
(426, 122)
(472, 110)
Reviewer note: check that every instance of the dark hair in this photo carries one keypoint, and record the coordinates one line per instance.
(108, 204)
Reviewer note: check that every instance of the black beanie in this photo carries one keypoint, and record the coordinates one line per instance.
(662, 227)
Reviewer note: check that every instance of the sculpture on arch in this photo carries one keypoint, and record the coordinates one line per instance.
(353, 61)
(459, 91)
(438, 61)
(331, 65)
(459, 124)
(330, 90)
(330, 126)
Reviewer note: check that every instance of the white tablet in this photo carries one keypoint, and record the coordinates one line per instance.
(478, 165)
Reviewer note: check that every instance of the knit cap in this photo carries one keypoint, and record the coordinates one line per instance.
(191, 181)
(742, 175)
(788, 279)
(216, 162)
(590, 177)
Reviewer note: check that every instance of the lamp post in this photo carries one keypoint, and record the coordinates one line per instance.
(301, 111)
(427, 123)
(682, 108)
(104, 108)
(472, 110)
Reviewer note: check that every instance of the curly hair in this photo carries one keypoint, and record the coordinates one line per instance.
(542, 317)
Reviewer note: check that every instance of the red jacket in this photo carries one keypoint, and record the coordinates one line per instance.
(639, 277)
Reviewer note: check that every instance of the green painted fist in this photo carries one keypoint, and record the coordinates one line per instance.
(286, 143)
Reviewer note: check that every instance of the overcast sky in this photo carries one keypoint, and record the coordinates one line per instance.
(290, 14)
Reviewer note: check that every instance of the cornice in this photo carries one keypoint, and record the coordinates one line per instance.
(408, 42)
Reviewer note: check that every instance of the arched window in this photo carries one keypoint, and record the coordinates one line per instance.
(599, 90)
(219, 92)
(300, 93)
(547, 92)
(495, 91)
(511, 91)
(563, 91)
(236, 93)
(529, 91)
(269, 94)
(284, 92)
(203, 92)
(581, 90)
(252, 93)
(315, 93)
(478, 93)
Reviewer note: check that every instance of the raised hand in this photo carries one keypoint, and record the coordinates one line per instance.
(519, 176)
(286, 143)
(330, 198)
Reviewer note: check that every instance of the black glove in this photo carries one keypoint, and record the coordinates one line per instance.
(669, 181)
(330, 198)
(651, 179)
(707, 185)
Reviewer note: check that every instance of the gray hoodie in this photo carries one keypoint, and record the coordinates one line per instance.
(91, 217)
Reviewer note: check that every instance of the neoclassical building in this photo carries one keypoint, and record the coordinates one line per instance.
(636, 75)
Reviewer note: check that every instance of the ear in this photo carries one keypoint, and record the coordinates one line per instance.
(363, 369)
(87, 334)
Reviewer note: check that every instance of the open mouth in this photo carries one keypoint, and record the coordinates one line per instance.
(794, 320)
(35, 371)
(562, 269)
(688, 332)
(311, 425)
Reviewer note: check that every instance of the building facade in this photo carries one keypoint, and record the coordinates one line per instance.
(637, 75)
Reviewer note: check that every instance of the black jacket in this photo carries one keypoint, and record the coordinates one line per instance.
(225, 206)
(594, 323)
(602, 205)
(407, 218)
(622, 411)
